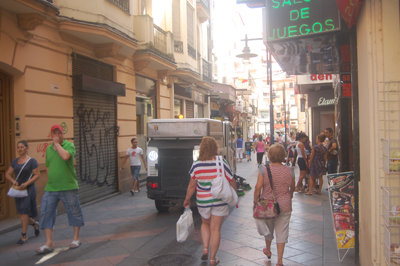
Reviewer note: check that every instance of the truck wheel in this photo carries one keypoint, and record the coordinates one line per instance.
(161, 205)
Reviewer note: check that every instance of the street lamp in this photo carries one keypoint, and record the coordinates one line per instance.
(246, 55)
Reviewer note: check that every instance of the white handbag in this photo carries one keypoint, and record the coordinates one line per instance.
(14, 192)
(220, 187)
(184, 226)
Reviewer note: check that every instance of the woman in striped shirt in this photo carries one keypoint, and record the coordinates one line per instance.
(212, 210)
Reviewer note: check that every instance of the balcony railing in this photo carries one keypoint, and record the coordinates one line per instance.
(122, 4)
(178, 47)
(207, 74)
(160, 39)
(152, 36)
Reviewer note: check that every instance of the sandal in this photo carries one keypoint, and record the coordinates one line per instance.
(309, 194)
(266, 253)
(75, 244)
(45, 249)
(214, 262)
(204, 256)
(36, 227)
(22, 240)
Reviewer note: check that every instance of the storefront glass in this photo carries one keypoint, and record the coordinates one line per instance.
(178, 107)
(145, 107)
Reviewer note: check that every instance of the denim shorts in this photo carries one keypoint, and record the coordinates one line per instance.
(48, 208)
(135, 171)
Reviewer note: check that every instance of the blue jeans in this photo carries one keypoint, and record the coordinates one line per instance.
(135, 171)
(48, 208)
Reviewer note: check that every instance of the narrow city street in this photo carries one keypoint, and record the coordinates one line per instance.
(126, 230)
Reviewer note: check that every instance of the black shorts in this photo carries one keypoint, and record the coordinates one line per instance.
(302, 164)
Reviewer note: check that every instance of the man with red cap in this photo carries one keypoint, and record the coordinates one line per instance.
(62, 184)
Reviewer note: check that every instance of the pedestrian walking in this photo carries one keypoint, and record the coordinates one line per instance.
(239, 148)
(62, 185)
(317, 165)
(283, 186)
(212, 210)
(26, 172)
(302, 161)
(248, 145)
(333, 151)
(260, 148)
(135, 154)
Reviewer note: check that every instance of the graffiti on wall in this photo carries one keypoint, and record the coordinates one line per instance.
(96, 146)
(42, 147)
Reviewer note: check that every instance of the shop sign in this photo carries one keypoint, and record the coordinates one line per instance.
(315, 79)
(321, 98)
(349, 10)
(215, 106)
(288, 19)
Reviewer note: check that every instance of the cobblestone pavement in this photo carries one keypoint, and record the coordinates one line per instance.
(125, 230)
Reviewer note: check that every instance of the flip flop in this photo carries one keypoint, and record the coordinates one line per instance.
(75, 244)
(214, 262)
(45, 249)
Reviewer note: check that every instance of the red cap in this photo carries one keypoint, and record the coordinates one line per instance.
(57, 126)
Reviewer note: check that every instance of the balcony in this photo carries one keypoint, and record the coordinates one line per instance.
(156, 45)
(203, 10)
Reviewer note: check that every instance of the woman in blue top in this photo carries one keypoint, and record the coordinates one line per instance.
(27, 171)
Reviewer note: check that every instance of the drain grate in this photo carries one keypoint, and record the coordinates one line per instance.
(170, 259)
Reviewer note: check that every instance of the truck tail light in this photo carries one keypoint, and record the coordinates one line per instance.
(152, 185)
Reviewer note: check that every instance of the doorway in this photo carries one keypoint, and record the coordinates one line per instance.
(6, 152)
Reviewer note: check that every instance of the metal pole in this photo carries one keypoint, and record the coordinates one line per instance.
(284, 106)
(271, 103)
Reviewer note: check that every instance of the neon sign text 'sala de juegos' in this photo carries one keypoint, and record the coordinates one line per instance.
(299, 20)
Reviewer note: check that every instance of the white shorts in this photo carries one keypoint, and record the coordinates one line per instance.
(239, 153)
(280, 225)
(216, 211)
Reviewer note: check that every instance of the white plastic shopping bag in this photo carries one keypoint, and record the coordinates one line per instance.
(220, 187)
(184, 226)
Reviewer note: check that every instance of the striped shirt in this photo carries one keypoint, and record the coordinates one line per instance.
(204, 172)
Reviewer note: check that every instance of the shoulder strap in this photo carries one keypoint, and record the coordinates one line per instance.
(22, 169)
(270, 181)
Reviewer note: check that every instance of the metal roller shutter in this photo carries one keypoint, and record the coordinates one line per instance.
(95, 134)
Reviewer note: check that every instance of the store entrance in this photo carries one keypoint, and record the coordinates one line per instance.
(6, 210)
(323, 117)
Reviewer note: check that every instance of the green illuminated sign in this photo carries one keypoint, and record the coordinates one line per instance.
(296, 18)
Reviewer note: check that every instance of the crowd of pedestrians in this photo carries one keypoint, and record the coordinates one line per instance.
(62, 185)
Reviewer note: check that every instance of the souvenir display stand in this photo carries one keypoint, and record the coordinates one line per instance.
(389, 131)
(341, 198)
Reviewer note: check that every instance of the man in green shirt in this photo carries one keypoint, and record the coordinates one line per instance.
(61, 185)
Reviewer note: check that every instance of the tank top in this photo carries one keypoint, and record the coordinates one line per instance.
(299, 154)
(260, 146)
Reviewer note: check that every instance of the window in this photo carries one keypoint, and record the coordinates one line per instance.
(190, 25)
(176, 19)
(264, 114)
(178, 108)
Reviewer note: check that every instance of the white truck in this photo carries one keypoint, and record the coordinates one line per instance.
(173, 145)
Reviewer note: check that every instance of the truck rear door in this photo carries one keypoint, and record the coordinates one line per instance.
(174, 171)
